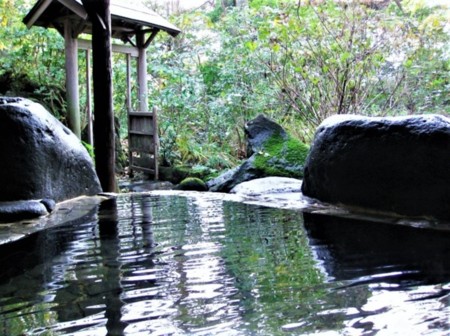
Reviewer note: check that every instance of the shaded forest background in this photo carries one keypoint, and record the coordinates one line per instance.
(296, 62)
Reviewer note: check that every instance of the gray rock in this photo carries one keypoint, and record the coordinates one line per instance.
(397, 164)
(40, 157)
(20, 210)
(268, 185)
(225, 182)
(49, 204)
(259, 130)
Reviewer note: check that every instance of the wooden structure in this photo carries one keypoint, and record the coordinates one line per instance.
(143, 142)
(135, 25)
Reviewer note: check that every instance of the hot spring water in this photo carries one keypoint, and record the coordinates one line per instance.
(171, 265)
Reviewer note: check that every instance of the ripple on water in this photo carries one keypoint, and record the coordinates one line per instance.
(167, 265)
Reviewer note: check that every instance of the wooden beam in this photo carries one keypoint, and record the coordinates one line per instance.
(123, 49)
(41, 9)
(79, 28)
(127, 39)
(120, 29)
(75, 7)
(151, 38)
(59, 26)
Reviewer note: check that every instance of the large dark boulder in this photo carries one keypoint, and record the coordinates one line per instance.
(273, 152)
(40, 157)
(398, 164)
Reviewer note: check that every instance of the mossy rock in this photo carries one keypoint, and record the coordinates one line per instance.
(281, 156)
(176, 174)
(192, 183)
(273, 153)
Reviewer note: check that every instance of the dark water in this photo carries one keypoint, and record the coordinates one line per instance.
(170, 265)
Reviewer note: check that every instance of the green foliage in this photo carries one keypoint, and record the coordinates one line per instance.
(333, 59)
(216, 14)
(32, 61)
(296, 63)
(211, 77)
(196, 124)
(257, 4)
(90, 149)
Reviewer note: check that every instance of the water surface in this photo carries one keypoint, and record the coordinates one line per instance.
(171, 265)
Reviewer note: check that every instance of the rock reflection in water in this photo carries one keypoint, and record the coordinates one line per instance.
(375, 252)
(389, 279)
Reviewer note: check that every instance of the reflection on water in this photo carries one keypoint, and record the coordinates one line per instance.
(395, 280)
(154, 265)
(364, 251)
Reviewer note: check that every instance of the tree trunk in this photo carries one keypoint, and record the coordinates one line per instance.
(104, 146)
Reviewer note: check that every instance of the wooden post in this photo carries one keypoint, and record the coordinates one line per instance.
(104, 144)
(142, 72)
(156, 142)
(73, 104)
(129, 105)
(89, 117)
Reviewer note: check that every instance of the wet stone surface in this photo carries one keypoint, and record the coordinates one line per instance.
(74, 210)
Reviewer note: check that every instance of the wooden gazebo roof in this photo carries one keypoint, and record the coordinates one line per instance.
(126, 18)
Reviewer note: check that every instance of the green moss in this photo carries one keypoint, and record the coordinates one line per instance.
(282, 157)
(192, 183)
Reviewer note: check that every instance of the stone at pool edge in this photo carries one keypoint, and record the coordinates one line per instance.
(22, 210)
(394, 164)
(268, 185)
(40, 157)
